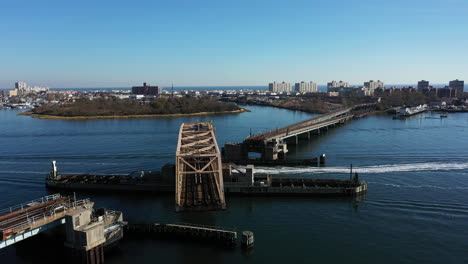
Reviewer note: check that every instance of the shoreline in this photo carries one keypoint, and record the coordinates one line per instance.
(39, 116)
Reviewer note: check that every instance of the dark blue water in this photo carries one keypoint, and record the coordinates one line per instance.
(415, 210)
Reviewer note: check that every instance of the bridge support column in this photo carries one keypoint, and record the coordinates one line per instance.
(86, 240)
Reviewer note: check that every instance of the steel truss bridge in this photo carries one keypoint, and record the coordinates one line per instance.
(199, 180)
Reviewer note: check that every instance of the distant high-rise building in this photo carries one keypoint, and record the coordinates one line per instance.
(24, 88)
(146, 90)
(339, 84)
(446, 92)
(372, 85)
(21, 85)
(423, 85)
(279, 87)
(304, 87)
(458, 86)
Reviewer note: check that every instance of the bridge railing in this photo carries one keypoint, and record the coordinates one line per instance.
(22, 221)
(314, 120)
(308, 122)
(30, 203)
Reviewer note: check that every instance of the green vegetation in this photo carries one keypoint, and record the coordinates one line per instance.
(400, 98)
(311, 105)
(316, 104)
(322, 104)
(127, 107)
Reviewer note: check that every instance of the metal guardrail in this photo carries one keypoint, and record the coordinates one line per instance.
(305, 123)
(20, 222)
(28, 204)
(308, 122)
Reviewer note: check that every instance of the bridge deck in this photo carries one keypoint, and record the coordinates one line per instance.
(199, 182)
(308, 124)
(27, 219)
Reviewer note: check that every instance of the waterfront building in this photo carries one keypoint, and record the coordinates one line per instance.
(340, 84)
(37, 89)
(14, 92)
(146, 90)
(21, 85)
(429, 91)
(447, 91)
(458, 86)
(279, 87)
(370, 86)
(23, 88)
(366, 91)
(374, 84)
(304, 87)
(423, 85)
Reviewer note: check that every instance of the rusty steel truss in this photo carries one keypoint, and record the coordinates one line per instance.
(199, 180)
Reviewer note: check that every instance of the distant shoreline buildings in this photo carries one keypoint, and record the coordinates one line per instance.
(369, 88)
(335, 84)
(457, 85)
(304, 87)
(22, 88)
(146, 90)
(284, 87)
(279, 87)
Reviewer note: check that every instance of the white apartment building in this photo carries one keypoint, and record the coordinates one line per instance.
(279, 87)
(21, 85)
(370, 86)
(304, 87)
(335, 84)
(374, 84)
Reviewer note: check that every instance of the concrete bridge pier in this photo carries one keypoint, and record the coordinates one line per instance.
(88, 233)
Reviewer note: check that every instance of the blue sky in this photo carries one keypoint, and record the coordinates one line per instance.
(115, 43)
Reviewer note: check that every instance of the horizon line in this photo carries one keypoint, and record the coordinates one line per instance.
(129, 87)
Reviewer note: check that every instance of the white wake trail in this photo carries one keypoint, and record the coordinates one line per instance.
(431, 166)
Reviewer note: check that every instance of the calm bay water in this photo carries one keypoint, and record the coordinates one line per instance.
(415, 211)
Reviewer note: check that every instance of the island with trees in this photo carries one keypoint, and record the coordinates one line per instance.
(127, 108)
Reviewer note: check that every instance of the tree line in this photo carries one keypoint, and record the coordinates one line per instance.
(122, 107)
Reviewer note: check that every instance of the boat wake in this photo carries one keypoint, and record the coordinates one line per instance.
(430, 166)
(446, 210)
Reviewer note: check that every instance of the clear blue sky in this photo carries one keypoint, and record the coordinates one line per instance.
(102, 43)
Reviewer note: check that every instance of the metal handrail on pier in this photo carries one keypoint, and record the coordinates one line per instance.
(44, 209)
(28, 204)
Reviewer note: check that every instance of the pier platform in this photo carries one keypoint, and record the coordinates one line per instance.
(31, 218)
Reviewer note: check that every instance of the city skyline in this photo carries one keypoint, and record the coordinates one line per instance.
(115, 44)
(263, 85)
